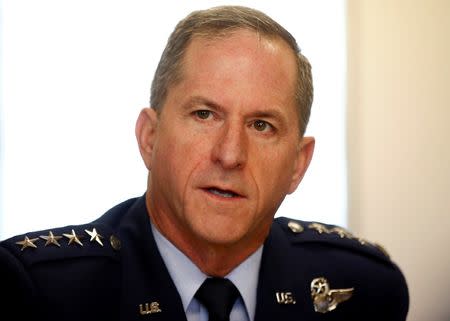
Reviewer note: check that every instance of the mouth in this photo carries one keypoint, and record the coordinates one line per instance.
(223, 193)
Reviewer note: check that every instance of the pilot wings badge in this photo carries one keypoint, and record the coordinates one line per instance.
(326, 299)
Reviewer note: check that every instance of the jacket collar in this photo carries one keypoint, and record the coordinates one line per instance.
(147, 288)
(283, 291)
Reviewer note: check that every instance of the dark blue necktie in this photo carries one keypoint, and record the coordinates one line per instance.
(218, 296)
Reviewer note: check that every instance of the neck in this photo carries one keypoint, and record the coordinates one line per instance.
(218, 261)
(213, 259)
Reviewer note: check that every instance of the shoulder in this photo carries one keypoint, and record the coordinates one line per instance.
(63, 243)
(306, 232)
(314, 254)
(47, 270)
(328, 247)
(94, 240)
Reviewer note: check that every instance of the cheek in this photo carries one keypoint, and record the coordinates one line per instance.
(178, 154)
(273, 173)
(169, 158)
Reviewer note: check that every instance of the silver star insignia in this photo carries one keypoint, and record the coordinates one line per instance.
(73, 238)
(95, 236)
(27, 243)
(320, 228)
(51, 239)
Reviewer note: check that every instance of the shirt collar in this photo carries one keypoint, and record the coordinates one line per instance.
(187, 277)
(245, 278)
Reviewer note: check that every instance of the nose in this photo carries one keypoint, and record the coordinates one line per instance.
(230, 148)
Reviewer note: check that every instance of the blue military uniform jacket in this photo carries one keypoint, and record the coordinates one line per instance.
(111, 269)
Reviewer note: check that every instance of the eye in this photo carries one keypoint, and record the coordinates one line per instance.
(203, 114)
(261, 125)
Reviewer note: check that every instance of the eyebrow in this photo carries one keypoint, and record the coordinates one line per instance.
(269, 113)
(199, 100)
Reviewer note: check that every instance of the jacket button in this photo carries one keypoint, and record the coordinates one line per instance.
(115, 242)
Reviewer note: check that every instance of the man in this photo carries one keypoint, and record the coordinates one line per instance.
(224, 144)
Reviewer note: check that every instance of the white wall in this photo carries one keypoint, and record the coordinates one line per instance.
(398, 135)
(74, 75)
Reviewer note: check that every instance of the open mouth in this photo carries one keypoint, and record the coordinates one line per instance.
(222, 193)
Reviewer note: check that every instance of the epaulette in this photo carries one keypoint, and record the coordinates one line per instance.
(303, 231)
(73, 241)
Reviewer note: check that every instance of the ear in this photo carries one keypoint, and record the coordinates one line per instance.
(304, 156)
(145, 131)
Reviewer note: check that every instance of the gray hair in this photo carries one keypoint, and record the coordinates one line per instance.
(218, 22)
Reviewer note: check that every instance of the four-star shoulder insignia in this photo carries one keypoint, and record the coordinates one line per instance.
(322, 229)
(72, 238)
(27, 243)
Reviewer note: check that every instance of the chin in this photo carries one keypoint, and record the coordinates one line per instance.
(225, 234)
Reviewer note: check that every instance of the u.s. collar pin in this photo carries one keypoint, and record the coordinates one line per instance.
(285, 298)
(149, 308)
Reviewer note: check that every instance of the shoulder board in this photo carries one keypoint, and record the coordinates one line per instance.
(89, 240)
(301, 232)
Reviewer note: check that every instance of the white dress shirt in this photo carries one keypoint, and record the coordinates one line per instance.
(188, 278)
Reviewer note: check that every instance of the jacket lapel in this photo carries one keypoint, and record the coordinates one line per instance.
(283, 289)
(148, 290)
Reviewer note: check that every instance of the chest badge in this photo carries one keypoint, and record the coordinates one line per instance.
(326, 299)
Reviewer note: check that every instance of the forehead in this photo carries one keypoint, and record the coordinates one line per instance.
(241, 43)
(244, 60)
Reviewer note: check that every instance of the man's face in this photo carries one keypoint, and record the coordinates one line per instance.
(225, 149)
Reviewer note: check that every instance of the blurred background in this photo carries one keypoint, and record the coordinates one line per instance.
(398, 130)
(75, 74)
